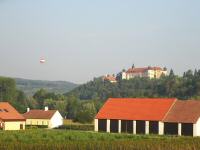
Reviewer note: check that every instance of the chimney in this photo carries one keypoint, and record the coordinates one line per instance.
(46, 108)
(28, 109)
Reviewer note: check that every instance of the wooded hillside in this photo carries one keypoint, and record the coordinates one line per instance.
(184, 87)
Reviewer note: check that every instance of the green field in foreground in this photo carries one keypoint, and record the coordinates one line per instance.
(76, 140)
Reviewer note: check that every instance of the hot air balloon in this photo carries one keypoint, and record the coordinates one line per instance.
(42, 60)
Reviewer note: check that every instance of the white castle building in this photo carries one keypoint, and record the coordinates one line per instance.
(149, 72)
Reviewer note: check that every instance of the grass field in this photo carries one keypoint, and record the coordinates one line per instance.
(44, 139)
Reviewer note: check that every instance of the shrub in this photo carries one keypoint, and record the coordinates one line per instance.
(36, 126)
(85, 127)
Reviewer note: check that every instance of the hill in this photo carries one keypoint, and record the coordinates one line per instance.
(29, 87)
(182, 87)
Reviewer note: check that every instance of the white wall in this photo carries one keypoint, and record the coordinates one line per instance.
(96, 125)
(119, 126)
(134, 127)
(56, 120)
(108, 126)
(13, 125)
(124, 75)
(179, 129)
(146, 127)
(160, 128)
(37, 121)
(196, 128)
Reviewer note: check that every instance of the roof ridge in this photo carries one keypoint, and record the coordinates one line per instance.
(44, 110)
(5, 102)
(169, 109)
(143, 98)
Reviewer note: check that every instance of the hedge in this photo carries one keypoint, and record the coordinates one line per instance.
(35, 126)
(85, 127)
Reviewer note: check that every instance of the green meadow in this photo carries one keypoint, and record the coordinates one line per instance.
(44, 139)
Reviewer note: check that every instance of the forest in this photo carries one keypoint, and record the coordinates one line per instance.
(82, 103)
(182, 87)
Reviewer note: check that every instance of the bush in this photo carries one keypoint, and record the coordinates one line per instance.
(84, 127)
(85, 113)
(36, 126)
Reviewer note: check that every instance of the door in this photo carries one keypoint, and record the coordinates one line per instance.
(21, 127)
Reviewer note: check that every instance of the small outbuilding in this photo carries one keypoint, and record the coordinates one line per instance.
(149, 116)
(10, 118)
(46, 117)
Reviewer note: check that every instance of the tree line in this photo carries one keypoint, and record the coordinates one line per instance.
(69, 106)
(82, 103)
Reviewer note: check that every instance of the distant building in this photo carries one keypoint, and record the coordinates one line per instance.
(10, 119)
(148, 72)
(110, 78)
(46, 117)
(149, 116)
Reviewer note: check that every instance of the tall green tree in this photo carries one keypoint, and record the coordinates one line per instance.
(7, 89)
(85, 113)
(40, 96)
(71, 107)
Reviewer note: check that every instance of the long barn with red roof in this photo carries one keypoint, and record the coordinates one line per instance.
(149, 116)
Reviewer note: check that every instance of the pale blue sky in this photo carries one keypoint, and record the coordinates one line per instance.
(81, 39)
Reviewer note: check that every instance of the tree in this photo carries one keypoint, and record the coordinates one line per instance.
(171, 73)
(32, 103)
(61, 106)
(20, 103)
(85, 113)
(7, 89)
(71, 107)
(40, 96)
(188, 74)
(50, 103)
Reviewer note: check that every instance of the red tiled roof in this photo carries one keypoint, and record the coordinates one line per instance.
(135, 108)
(9, 113)
(136, 70)
(109, 78)
(142, 70)
(39, 114)
(187, 111)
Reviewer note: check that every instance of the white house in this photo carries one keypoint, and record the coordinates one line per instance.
(46, 117)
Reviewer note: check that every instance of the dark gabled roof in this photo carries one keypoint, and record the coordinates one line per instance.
(9, 113)
(187, 111)
(39, 114)
(135, 108)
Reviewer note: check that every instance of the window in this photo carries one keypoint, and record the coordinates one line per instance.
(5, 110)
(21, 127)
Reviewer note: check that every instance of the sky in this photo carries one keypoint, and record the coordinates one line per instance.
(83, 39)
